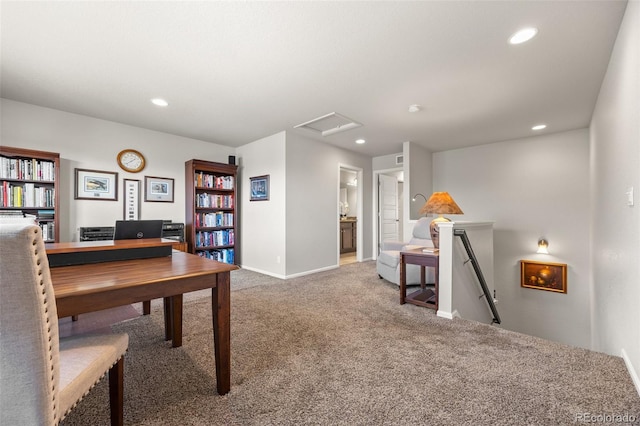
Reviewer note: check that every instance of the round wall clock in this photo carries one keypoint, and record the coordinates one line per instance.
(131, 160)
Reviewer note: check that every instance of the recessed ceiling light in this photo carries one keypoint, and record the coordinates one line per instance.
(523, 35)
(360, 141)
(159, 102)
(539, 127)
(414, 108)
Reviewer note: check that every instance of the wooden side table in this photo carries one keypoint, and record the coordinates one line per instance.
(425, 296)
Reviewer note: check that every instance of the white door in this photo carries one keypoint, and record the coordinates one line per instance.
(388, 200)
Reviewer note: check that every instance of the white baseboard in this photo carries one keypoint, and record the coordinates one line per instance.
(260, 271)
(448, 315)
(302, 274)
(632, 371)
(285, 277)
(443, 314)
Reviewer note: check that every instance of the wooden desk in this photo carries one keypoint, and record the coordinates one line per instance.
(93, 287)
(426, 297)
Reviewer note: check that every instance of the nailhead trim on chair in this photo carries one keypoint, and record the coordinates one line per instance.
(34, 242)
(50, 339)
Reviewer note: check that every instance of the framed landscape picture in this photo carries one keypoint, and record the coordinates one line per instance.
(96, 185)
(543, 275)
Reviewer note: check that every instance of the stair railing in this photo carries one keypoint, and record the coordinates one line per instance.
(476, 267)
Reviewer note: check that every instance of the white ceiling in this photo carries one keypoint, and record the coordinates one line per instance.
(234, 72)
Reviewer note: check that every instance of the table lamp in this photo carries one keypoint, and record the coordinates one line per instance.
(439, 203)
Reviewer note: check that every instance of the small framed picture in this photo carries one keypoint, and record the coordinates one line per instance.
(131, 199)
(543, 275)
(158, 189)
(259, 188)
(96, 185)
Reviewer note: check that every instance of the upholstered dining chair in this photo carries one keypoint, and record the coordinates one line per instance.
(42, 376)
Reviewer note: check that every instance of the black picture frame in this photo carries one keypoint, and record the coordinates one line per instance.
(259, 188)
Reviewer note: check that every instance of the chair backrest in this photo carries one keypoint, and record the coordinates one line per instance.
(421, 233)
(29, 345)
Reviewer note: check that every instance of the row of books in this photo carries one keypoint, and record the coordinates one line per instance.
(214, 200)
(26, 195)
(48, 231)
(224, 237)
(216, 219)
(44, 219)
(16, 168)
(222, 255)
(205, 180)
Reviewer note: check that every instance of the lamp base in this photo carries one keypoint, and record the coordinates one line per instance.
(435, 232)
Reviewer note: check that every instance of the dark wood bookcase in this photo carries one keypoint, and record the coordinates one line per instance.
(29, 185)
(211, 220)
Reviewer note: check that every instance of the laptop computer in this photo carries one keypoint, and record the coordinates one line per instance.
(134, 229)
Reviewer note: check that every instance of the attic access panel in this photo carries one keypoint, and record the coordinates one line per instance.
(329, 124)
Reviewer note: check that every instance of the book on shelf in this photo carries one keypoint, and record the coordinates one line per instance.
(11, 214)
(26, 169)
(215, 238)
(222, 255)
(212, 220)
(206, 180)
(26, 195)
(205, 200)
(16, 216)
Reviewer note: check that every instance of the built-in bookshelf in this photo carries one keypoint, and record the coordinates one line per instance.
(210, 223)
(29, 187)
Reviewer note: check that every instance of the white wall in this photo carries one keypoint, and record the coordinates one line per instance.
(530, 188)
(312, 203)
(615, 150)
(417, 179)
(467, 294)
(89, 143)
(263, 223)
(385, 162)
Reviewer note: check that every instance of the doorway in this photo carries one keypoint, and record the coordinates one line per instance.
(388, 206)
(349, 215)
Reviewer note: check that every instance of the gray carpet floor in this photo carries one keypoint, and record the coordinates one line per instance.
(336, 348)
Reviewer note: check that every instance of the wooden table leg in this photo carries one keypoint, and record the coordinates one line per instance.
(436, 280)
(168, 319)
(146, 307)
(176, 320)
(403, 280)
(221, 310)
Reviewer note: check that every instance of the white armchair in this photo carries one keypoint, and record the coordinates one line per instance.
(42, 377)
(388, 262)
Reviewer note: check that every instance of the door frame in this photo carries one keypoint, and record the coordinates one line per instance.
(359, 211)
(376, 208)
